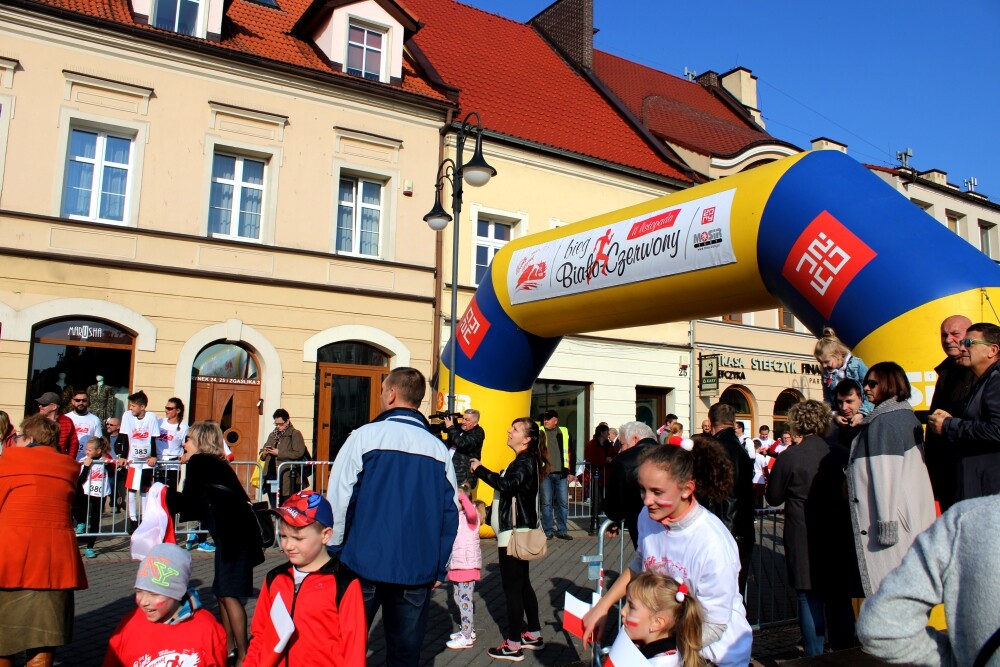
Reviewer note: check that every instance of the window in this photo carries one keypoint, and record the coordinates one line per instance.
(952, 224)
(782, 405)
(96, 182)
(985, 232)
(364, 51)
(179, 16)
(359, 216)
(736, 318)
(491, 235)
(237, 196)
(786, 320)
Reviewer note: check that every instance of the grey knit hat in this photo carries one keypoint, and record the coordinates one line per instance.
(165, 571)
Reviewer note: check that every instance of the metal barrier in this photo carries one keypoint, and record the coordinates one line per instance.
(113, 520)
(316, 473)
(586, 495)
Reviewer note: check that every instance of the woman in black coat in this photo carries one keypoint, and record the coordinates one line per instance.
(819, 548)
(517, 485)
(214, 496)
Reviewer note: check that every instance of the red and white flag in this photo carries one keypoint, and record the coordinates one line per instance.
(157, 524)
(277, 633)
(624, 654)
(573, 612)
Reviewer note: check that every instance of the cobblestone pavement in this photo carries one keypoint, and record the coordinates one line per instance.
(112, 576)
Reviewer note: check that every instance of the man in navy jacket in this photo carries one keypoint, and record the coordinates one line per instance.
(395, 505)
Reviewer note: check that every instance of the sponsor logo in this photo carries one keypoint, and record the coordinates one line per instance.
(140, 435)
(472, 329)
(674, 240)
(824, 261)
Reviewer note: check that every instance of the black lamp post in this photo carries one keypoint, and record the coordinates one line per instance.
(476, 172)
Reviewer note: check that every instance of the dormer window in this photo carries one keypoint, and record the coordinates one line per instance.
(180, 16)
(365, 51)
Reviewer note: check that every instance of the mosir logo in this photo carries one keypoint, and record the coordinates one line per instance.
(472, 329)
(691, 236)
(824, 261)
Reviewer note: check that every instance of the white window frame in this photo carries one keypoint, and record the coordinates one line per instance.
(357, 206)
(517, 220)
(138, 131)
(199, 25)
(238, 184)
(987, 234)
(97, 179)
(272, 158)
(367, 26)
(6, 113)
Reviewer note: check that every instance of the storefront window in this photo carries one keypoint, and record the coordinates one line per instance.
(354, 353)
(224, 360)
(81, 354)
(569, 400)
(782, 405)
(740, 399)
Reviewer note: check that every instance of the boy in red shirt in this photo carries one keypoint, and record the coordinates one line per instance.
(310, 610)
(168, 625)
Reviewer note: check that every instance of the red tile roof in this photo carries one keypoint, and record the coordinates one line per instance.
(522, 88)
(253, 30)
(677, 110)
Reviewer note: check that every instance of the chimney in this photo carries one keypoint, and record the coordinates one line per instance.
(742, 84)
(935, 176)
(824, 144)
(569, 26)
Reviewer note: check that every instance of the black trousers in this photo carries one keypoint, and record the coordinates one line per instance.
(519, 595)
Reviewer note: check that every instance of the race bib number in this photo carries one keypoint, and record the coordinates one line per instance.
(140, 452)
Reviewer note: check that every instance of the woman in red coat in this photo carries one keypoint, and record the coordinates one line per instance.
(41, 565)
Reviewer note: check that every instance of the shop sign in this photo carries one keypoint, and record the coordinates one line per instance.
(708, 374)
(221, 380)
(764, 364)
(687, 237)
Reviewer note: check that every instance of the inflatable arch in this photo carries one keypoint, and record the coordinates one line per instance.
(816, 232)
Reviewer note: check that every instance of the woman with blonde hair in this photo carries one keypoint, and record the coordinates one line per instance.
(809, 479)
(214, 496)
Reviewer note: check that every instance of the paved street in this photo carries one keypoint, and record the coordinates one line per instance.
(112, 575)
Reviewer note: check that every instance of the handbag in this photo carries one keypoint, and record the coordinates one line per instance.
(261, 513)
(526, 544)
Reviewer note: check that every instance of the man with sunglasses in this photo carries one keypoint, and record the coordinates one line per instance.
(976, 435)
(86, 423)
(952, 389)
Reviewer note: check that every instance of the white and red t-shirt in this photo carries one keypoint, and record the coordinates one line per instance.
(141, 434)
(87, 426)
(97, 484)
(170, 443)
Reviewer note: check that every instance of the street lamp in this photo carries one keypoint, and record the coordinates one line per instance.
(476, 172)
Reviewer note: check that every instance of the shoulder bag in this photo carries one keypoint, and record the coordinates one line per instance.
(265, 521)
(526, 544)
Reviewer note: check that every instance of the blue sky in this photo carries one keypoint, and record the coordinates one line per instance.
(879, 75)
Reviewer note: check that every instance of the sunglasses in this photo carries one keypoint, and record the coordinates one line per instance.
(871, 384)
(169, 408)
(969, 342)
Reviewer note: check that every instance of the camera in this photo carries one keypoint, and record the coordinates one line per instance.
(437, 421)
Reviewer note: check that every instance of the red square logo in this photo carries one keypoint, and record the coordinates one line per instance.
(824, 261)
(708, 216)
(471, 330)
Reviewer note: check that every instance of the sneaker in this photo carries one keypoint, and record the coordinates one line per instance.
(529, 644)
(206, 546)
(460, 642)
(131, 525)
(548, 536)
(89, 553)
(81, 528)
(456, 635)
(564, 536)
(506, 652)
(192, 542)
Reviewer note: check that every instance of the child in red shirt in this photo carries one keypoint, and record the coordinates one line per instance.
(168, 625)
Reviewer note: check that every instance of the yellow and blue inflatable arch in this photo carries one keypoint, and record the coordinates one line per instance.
(816, 232)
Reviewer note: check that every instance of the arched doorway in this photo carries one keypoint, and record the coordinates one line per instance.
(742, 401)
(349, 378)
(76, 353)
(782, 405)
(225, 387)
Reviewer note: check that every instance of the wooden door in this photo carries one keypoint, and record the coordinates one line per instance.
(349, 397)
(232, 403)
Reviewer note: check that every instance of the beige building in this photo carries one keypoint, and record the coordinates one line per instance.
(233, 222)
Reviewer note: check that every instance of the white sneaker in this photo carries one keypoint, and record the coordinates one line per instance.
(461, 641)
(456, 635)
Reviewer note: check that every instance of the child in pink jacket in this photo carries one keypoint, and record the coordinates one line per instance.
(463, 569)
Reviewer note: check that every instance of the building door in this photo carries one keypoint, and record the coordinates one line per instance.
(651, 405)
(349, 384)
(226, 388)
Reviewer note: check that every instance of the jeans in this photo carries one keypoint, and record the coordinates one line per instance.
(404, 618)
(554, 486)
(519, 596)
(825, 616)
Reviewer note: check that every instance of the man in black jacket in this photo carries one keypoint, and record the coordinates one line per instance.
(466, 439)
(736, 512)
(622, 499)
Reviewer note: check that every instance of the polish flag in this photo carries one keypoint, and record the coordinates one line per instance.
(624, 654)
(277, 633)
(573, 612)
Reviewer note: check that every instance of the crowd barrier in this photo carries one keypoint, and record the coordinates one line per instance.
(586, 495)
(113, 518)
